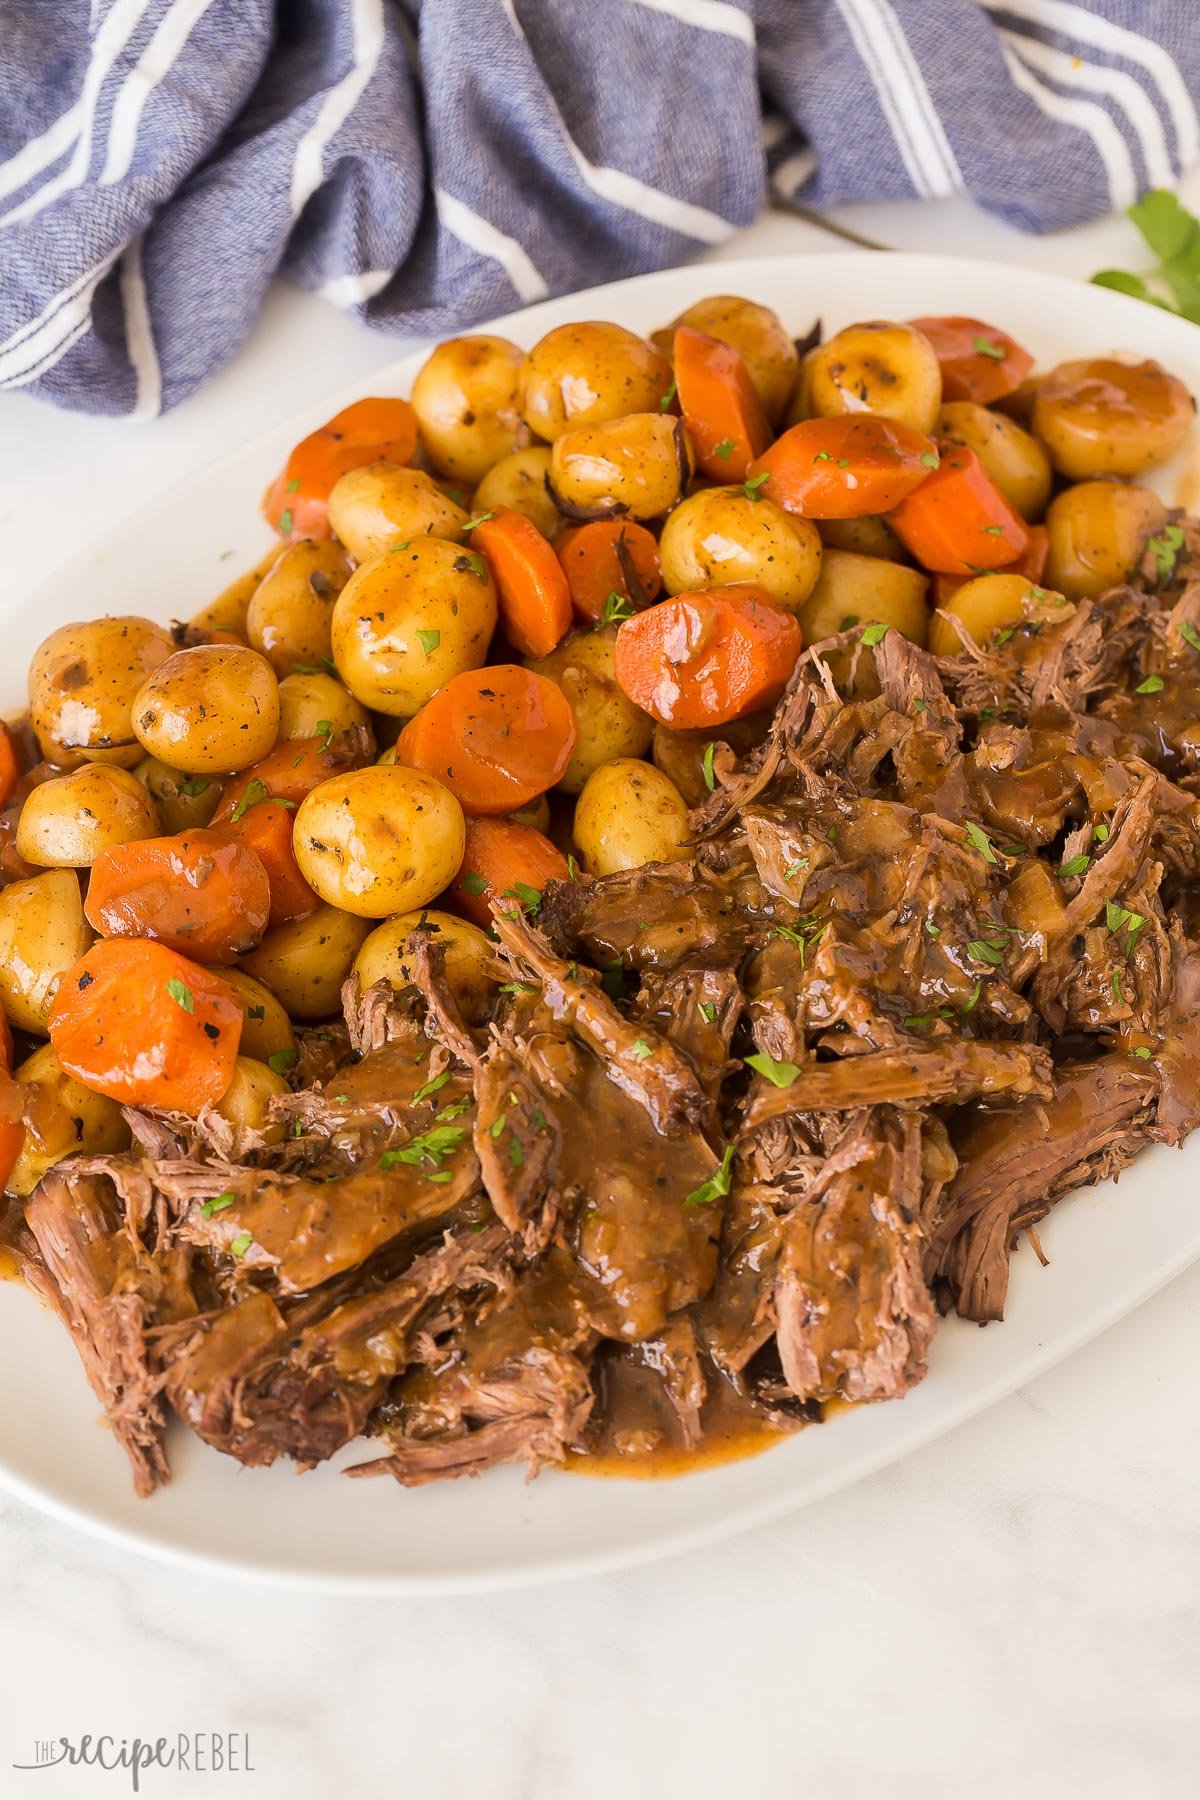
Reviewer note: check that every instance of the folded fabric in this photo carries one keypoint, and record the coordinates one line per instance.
(424, 163)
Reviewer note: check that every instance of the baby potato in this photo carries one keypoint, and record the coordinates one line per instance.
(42, 934)
(989, 604)
(62, 1118)
(1099, 416)
(609, 723)
(407, 621)
(373, 508)
(862, 590)
(82, 684)
(876, 367)
(519, 482)
(246, 1102)
(379, 840)
(289, 616)
(1097, 533)
(228, 611)
(629, 813)
(305, 962)
(720, 534)
(869, 536)
(760, 339)
(266, 1028)
(184, 802)
(66, 823)
(587, 373)
(312, 705)
(467, 402)
(635, 467)
(537, 814)
(385, 957)
(1013, 458)
(210, 710)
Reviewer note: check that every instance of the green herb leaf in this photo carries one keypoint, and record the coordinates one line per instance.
(708, 1011)
(253, 792)
(668, 396)
(779, 1074)
(516, 1153)
(530, 897)
(930, 460)
(935, 931)
(285, 522)
(517, 987)
(191, 786)
(793, 869)
(982, 951)
(432, 1087)
(984, 347)
(1118, 992)
(241, 1244)
(479, 519)
(612, 978)
(724, 449)
(282, 1061)
(974, 1000)
(717, 1185)
(218, 1204)
(472, 564)
(710, 780)
(1100, 834)
(432, 1146)
(292, 485)
(181, 994)
(1189, 634)
(429, 641)
(616, 609)
(751, 486)
(641, 1049)
(572, 868)
(1074, 865)
(920, 706)
(1153, 684)
(474, 883)
(979, 840)
(1142, 1053)
(874, 634)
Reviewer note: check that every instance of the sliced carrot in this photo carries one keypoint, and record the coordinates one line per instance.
(535, 601)
(844, 468)
(707, 656)
(958, 522)
(612, 568)
(138, 1022)
(266, 829)
(10, 768)
(504, 862)
(720, 406)
(289, 773)
(378, 430)
(496, 737)
(978, 362)
(1032, 561)
(199, 892)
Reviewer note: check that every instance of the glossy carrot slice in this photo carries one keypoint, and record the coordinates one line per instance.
(138, 1022)
(1032, 561)
(378, 430)
(12, 1125)
(266, 829)
(720, 406)
(496, 737)
(707, 656)
(844, 468)
(978, 361)
(289, 773)
(958, 522)
(202, 894)
(10, 768)
(612, 568)
(534, 599)
(508, 863)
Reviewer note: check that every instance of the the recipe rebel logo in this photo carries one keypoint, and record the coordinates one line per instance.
(188, 1753)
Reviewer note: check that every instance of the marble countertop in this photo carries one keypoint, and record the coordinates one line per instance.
(1012, 1609)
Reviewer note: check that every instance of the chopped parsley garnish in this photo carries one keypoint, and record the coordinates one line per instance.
(710, 780)
(920, 706)
(256, 1012)
(285, 521)
(708, 1011)
(572, 868)
(497, 1125)
(724, 449)
(983, 951)
(1189, 634)
(1120, 918)
(517, 987)
(432, 1086)
(516, 1153)
(219, 1203)
(432, 1146)
(282, 1061)
(979, 840)
(752, 484)
(474, 883)
(874, 634)
(641, 1049)
(191, 786)
(1142, 1053)
(779, 1074)
(1118, 992)
(241, 1244)
(984, 347)
(935, 931)
(529, 897)
(181, 994)
(292, 485)
(1165, 547)
(1074, 865)
(1153, 684)
(479, 519)
(253, 792)
(616, 609)
(993, 530)
(612, 978)
(668, 396)
(429, 641)
(323, 729)
(717, 1185)
(471, 563)
(1100, 834)
(793, 869)
(974, 999)
(930, 460)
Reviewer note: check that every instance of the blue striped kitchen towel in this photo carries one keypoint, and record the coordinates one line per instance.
(427, 162)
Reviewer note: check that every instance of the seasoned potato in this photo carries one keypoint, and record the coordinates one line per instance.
(854, 590)
(610, 725)
(379, 840)
(519, 482)
(758, 336)
(1098, 532)
(877, 367)
(266, 1028)
(304, 963)
(42, 934)
(373, 508)
(989, 604)
(869, 536)
(184, 802)
(467, 402)
(312, 705)
(385, 957)
(62, 1118)
(82, 683)
(209, 711)
(246, 1102)
(1014, 459)
(289, 617)
(634, 467)
(537, 813)
(584, 374)
(410, 619)
(65, 823)
(1103, 417)
(228, 611)
(629, 813)
(720, 535)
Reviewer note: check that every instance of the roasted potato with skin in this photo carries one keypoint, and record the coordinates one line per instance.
(385, 956)
(184, 802)
(210, 710)
(266, 1028)
(82, 683)
(989, 604)
(760, 339)
(862, 590)
(635, 467)
(876, 367)
(62, 1118)
(379, 840)
(720, 534)
(588, 373)
(43, 933)
(1099, 416)
(1098, 531)
(246, 1102)
(1013, 458)
(869, 536)
(376, 507)
(629, 813)
(289, 617)
(66, 823)
(304, 963)
(410, 619)
(228, 611)
(317, 706)
(609, 723)
(467, 402)
(519, 482)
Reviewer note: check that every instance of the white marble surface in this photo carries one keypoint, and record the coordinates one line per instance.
(1011, 1610)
